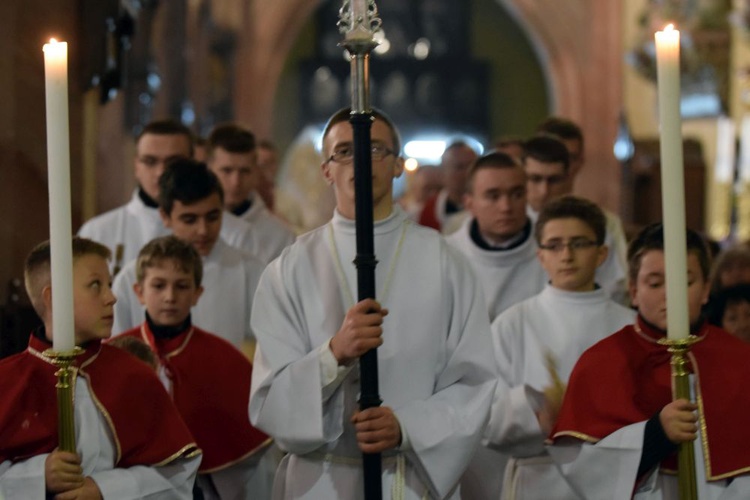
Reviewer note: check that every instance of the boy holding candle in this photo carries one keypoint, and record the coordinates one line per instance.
(131, 441)
(618, 415)
(207, 377)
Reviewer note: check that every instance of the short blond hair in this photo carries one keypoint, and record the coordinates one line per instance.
(169, 248)
(37, 272)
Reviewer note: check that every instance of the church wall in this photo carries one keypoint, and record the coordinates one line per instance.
(641, 103)
(24, 221)
(519, 94)
(582, 75)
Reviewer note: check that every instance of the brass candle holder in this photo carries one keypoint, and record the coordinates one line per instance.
(65, 389)
(679, 349)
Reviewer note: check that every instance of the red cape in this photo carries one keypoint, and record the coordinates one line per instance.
(146, 426)
(428, 216)
(211, 389)
(626, 378)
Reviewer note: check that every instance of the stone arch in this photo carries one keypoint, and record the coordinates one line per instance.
(579, 43)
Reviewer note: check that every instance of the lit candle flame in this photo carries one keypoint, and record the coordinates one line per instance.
(669, 27)
(52, 40)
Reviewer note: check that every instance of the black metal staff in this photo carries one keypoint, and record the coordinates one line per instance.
(358, 21)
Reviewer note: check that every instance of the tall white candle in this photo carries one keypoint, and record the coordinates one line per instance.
(58, 168)
(672, 181)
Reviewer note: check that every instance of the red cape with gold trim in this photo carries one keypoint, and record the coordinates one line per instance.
(211, 388)
(626, 378)
(146, 426)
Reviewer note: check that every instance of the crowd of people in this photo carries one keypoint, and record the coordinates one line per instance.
(516, 333)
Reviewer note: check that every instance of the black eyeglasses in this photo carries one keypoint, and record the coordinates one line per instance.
(557, 246)
(345, 155)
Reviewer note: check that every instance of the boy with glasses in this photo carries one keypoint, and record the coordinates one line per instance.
(613, 269)
(551, 161)
(538, 341)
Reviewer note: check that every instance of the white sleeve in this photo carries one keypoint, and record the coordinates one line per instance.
(169, 482)
(738, 489)
(513, 427)
(23, 479)
(445, 429)
(331, 374)
(128, 312)
(607, 469)
(253, 271)
(287, 392)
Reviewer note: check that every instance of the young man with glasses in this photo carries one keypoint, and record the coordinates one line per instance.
(612, 273)
(429, 323)
(124, 230)
(538, 341)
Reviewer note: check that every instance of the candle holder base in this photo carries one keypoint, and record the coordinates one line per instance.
(679, 349)
(65, 388)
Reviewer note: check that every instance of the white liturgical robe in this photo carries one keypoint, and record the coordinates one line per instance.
(251, 477)
(554, 324)
(230, 278)
(273, 232)
(508, 276)
(609, 468)
(96, 448)
(248, 237)
(124, 230)
(435, 365)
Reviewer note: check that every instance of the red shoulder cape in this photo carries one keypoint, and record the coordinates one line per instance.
(211, 389)
(146, 426)
(428, 216)
(626, 378)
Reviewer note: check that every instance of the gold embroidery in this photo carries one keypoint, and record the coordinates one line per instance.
(188, 451)
(183, 345)
(577, 435)
(107, 418)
